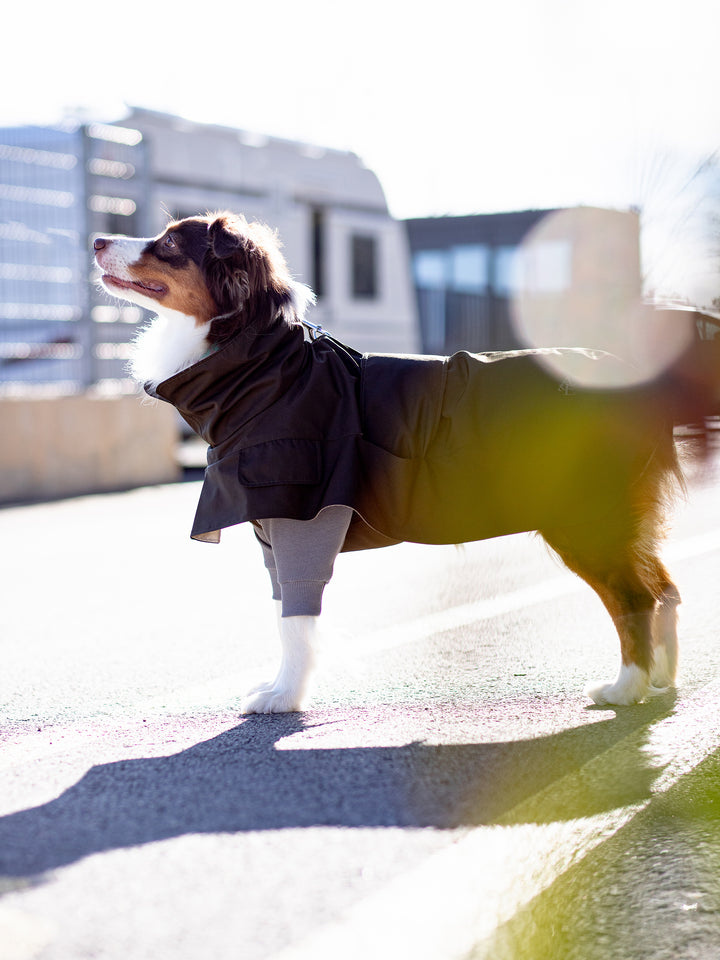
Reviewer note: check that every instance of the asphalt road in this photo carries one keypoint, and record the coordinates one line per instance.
(448, 793)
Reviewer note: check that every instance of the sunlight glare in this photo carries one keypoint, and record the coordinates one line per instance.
(578, 284)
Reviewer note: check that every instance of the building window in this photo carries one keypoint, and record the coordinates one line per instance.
(535, 269)
(464, 269)
(364, 267)
(469, 266)
(547, 267)
(430, 269)
(507, 272)
(317, 252)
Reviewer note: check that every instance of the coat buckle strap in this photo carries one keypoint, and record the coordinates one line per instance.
(314, 329)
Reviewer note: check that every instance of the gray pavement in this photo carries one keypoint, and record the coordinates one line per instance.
(448, 792)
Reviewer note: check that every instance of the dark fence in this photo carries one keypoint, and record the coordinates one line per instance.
(452, 321)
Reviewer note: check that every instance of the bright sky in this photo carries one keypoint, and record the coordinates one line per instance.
(459, 106)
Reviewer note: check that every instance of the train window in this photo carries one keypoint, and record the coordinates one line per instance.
(363, 254)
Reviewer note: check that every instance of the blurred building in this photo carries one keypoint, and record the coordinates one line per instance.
(60, 186)
(329, 209)
(536, 277)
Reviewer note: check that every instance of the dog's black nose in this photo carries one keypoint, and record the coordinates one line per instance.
(100, 243)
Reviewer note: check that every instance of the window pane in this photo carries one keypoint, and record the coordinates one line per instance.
(469, 268)
(364, 267)
(317, 252)
(508, 271)
(430, 268)
(547, 267)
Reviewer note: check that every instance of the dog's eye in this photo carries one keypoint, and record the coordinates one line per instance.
(169, 242)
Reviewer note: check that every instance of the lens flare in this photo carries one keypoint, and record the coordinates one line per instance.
(578, 284)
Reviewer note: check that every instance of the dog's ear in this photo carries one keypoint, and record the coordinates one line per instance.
(247, 276)
(226, 263)
(225, 236)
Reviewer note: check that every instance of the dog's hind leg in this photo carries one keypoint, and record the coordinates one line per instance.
(665, 660)
(631, 601)
(633, 610)
(632, 684)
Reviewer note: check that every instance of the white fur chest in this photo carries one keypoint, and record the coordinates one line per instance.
(170, 343)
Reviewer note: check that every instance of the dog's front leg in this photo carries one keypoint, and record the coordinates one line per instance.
(299, 556)
(285, 693)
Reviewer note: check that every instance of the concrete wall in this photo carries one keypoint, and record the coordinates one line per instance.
(65, 445)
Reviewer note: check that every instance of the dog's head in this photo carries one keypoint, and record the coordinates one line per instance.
(218, 269)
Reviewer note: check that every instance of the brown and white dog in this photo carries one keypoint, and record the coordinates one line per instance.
(208, 277)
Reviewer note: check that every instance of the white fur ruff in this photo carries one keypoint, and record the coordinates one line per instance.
(302, 298)
(171, 342)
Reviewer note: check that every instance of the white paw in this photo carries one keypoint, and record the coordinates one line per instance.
(285, 693)
(271, 699)
(631, 686)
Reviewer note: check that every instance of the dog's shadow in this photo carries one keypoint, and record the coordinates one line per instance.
(239, 781)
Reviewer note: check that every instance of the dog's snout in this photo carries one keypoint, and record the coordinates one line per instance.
(101, 242)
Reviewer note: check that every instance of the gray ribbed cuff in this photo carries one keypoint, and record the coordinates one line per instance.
(302, 598)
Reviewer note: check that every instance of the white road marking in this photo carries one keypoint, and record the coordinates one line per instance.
(23, 935)
(465, 614)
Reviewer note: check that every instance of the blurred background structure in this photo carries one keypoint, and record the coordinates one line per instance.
(434, 284)
(64, 343)
(527, 171)
(61, 187)
(471, 273)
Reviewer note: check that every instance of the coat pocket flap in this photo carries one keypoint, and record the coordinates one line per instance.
(280, 462)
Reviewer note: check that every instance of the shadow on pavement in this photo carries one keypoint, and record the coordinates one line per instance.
(240, 781)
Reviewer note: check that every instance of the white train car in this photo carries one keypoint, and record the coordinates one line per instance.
(328, 208)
